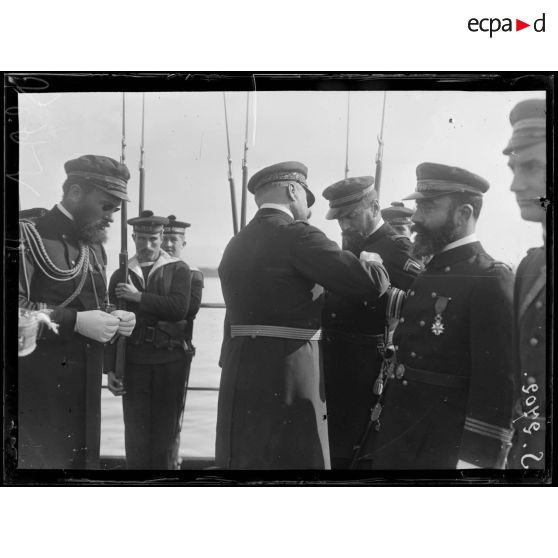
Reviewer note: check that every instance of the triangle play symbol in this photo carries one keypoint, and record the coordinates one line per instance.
(519, 25)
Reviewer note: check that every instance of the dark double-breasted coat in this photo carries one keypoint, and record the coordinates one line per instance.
(528, 450)
(454, 346)
(59, 389)
(352, 332)
(271, 411)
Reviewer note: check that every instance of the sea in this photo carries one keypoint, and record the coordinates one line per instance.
(200, 413)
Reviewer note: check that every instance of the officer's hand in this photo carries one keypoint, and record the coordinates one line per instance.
(127, 291)
(96, 325)
(115, 385)
(127, 322)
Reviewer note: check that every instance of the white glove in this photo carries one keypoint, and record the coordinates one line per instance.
(96, 325)
(127, 322)
(370, 257)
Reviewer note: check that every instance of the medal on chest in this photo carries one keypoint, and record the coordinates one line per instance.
(438, 327)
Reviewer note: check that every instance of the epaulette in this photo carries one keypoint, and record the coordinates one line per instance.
(32, 214)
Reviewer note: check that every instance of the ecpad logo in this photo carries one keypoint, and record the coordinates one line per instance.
(494, 24)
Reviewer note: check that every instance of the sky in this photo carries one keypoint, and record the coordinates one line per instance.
(186, 152)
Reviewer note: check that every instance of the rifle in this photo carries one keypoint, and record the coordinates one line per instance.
(245, 168)
(120, 361)
(380, 153)
(347, 146)
(142, 151)
(230, 175)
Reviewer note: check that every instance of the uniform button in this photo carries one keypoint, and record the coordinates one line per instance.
(64, 236)
(73, 262)
(538, 304)
(404, 382)
(448, 268)
(434, 295)
(253, 336)
(400, 371)
(412, 293)
(88, 345)
(401, 320)
(422, 323)
(533, 341)
(531, 380)
(413, 354)
(396, 347)
(334, 315)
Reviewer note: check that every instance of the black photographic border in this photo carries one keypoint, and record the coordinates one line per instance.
(60, 82)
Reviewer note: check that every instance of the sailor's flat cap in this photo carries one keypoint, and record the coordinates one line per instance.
(345, 195)
(434, 179)
(528, 120)
(289, 171)
(174, 226)
(102, 172)
(397, 214)
(147, 222)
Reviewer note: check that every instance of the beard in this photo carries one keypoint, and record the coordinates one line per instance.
(429, 242)
(93, 233)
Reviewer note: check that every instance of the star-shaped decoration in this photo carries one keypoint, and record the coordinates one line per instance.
(437, 327)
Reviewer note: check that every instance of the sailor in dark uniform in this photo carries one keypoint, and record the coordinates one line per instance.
(62, 272)
(174, 241)
(399, 217)
(527, 158)
(355, 334)
(449, 402)
(158, 291)
(271, 411)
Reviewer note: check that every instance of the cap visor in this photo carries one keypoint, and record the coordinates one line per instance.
(114, 193)
(310, 197)
(426, 195)
(339, 212)
(519, 143)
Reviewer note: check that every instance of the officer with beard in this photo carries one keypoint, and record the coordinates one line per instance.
(448, 404)
(356, 334)
(158, 291)
(526, 153)
(62, 273)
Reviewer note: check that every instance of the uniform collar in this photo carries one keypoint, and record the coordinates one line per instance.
(135, 267)
(65, 212)
(461, 242)
(455, 255)
(278, 207)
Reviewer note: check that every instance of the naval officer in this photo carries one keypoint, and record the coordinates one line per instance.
(526, 153)
(271, 410)
(449, 402)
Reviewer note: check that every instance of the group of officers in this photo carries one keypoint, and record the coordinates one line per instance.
(408, 348)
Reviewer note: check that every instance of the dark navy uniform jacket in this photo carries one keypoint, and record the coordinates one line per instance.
(271, 412)
(454, 345)
(528, 451)
(60, 382)
(351, 360)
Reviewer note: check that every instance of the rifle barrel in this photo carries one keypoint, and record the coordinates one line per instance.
(230, 174)
(245, 167)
